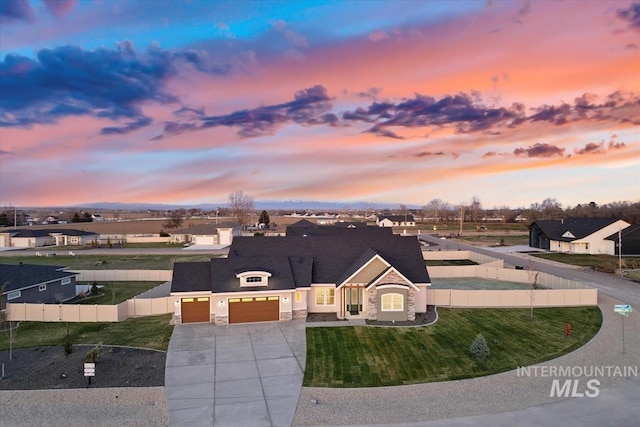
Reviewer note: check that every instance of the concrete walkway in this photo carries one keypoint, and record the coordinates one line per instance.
(236, 375)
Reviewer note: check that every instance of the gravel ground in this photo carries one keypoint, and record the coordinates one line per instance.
(484, 395)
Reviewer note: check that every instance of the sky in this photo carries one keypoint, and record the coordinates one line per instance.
(184, 102)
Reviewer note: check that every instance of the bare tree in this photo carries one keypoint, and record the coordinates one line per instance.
(241, 206)
(476, 209)
(175, 219)
(435, 208)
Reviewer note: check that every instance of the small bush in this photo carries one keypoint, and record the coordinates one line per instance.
(479, 349)
(94, 289)
(94, 354)
(68, 348)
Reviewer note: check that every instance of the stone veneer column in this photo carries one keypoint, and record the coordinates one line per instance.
(299, 314)
(222, 320)
(373, 303)
(411, 305)
(285, 315)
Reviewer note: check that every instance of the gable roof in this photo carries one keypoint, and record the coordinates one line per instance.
(45, 232)
(571, 229)
(397, 218)
(21, 276)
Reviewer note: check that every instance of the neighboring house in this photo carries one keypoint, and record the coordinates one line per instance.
(36, 283)
(207, 234)
(362, 273)
(29, 238)
(576, 235)
(630, 240)
(395, 221)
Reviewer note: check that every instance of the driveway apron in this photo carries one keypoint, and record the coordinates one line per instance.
(235, 375)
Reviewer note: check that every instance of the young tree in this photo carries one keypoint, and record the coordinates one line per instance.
(264, 219)
(241, 206)
(479, 349)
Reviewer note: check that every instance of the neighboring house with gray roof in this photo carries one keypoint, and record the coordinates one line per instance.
(36, 283)
(33, 238)
(207, 234)
(361, 273)
(576, 235)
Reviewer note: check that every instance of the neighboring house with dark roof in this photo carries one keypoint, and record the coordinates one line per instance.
(207, 234)
(630, 238)
(36, 283)
(30, 238)
(576, 235)
(395, 221)
(356, 273)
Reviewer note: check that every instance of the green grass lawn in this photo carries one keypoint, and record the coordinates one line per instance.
(374, 357)
(117, 292)
(449, 262)
(108, 262)
(148, 332)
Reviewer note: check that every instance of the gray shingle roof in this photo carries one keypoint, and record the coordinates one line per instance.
(21, 276)
(578, 227)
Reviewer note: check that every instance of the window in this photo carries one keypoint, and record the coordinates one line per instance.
(42, 288)
(66, 281)
(13, 295)
(254, 279)
(392, 302)
(298, 296)
(325, 296)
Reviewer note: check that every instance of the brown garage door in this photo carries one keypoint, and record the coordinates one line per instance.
(195, 310)
(260, 309)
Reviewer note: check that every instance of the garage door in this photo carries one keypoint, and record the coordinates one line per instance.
(259, 309)
(195, 310)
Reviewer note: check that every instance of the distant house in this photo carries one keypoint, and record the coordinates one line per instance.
(37, 283)
(576, 235)
(395, 221)
(630, 238)
(29, 238)
(207, 234)
(353, 273)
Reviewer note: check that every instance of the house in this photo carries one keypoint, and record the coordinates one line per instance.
(630, 238)
(576, 235)
(395, 221)
(207, 234)
(29, 238)
(354, 273)
(36, 283)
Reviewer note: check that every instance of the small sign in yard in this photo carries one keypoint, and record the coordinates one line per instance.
(89, 369)
(623, 309)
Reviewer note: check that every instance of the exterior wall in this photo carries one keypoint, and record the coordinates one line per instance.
(205, 240)
(226, 235)
(385, 223)
(397, 316)
(421, 300)
(299, 308)
(370, 272)
(31, 242)
(55, 292)
(5, 240)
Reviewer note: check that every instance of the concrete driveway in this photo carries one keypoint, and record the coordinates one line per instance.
(236, 375)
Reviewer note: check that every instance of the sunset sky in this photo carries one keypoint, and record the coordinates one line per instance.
(184, 102)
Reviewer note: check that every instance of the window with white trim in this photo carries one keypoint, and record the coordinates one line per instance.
(325, 296)
(66, 281)
(392, 302)
(13, 295)
(254, 279)
(42, 288)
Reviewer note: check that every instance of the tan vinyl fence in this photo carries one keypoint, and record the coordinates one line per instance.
(134, 307)
(512, 298)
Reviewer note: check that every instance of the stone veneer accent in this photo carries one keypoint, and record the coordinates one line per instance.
(177, 319)
(222, 320)
(411, 305)
(285, 315)
(299, 314)
(373, 303)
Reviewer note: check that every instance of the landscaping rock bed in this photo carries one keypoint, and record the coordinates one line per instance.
(47, 367)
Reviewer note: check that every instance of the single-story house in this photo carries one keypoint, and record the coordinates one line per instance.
(630, 238)
(576, 235)
(30, 238)
(36, 283)
(354, 273)
(207, 234)
(395, 221)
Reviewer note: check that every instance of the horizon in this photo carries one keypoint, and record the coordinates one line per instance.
(512, 102)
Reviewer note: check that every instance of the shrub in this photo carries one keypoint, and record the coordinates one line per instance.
(92, 356)
(94, 289)
(68, 348)
(479, 349)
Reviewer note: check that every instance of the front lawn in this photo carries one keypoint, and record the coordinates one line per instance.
(606, 263)
(147, 332)
(449, 262)
(374, 357)
(117, 292)
(107, 262)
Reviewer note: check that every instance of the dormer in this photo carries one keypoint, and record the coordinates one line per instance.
(254, 278)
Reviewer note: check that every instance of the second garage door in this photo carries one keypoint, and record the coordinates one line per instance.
(259, 309)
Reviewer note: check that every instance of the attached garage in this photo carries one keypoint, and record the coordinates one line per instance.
(195, 310)
(257, 309)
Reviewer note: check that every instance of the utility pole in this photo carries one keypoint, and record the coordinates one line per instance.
(620, 251)
(461, 218)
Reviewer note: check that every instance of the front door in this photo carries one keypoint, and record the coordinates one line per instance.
(354, 301)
